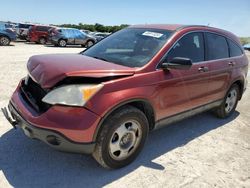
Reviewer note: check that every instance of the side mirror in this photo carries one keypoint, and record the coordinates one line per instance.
(178, 63)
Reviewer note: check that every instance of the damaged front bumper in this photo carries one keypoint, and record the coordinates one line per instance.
(50, 137)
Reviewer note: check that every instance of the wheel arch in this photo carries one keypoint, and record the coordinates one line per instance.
(43, 36)
(240, 84)
(142, 104)
(3, 35)
(90, 40)
(63, 39)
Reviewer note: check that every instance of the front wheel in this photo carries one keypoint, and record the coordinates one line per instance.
(122, 137)
(62, 43)
(4, 41)
(230, 102)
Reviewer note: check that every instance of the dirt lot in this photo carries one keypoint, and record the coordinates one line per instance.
(202, 151)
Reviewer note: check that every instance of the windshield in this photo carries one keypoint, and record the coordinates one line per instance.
(131, 47)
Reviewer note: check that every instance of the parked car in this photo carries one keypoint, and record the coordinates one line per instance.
(247, 46)
(85, 31)
(7, 34)
(22, 30)
(63, 36)
(100, 36)
(105, 100)
(39, 34)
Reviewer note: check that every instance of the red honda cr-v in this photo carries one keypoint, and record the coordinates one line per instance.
(105, 100)
(38, 34)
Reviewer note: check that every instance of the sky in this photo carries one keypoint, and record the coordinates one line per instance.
(232, 15)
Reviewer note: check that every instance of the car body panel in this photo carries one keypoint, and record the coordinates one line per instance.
(47, 70)
(74, 123)
(8, 32)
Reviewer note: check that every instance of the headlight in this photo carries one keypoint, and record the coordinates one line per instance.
(72, 95)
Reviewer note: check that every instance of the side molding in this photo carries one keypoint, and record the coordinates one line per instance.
(183, 115)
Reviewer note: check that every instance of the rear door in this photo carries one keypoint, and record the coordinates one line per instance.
(80, 37)
(217, 56)
(183, 90)
(69, 36)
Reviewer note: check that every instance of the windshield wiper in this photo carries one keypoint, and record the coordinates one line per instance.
(100, 58)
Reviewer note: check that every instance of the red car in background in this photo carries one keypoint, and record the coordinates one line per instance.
(39, 34)
(105, 100)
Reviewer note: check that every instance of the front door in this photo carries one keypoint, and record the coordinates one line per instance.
(182, 90)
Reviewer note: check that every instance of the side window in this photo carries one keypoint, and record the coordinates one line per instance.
(39, 28)
(2, 26)
(70, 33)
(190, 46)
(217, 47)
(234, 49)
(67, 33)
(78, 34)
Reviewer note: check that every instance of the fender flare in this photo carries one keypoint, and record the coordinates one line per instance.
(115, 107)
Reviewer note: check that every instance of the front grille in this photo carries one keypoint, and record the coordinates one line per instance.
(32, 93)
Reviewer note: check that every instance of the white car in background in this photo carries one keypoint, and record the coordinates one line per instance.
(247, 46)
(22, 30)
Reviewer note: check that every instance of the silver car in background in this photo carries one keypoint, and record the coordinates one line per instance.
(63, 36)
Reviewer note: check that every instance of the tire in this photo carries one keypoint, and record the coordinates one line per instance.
(62, 43)
(121, 138)
(4, 41)
(42, 40)
(89, 43)
(229, 103)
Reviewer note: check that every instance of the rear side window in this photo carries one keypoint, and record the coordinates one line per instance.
(217, 47)
(25, 26)
(234, 49)
(2, 26)
(190, 46)
(78, 34)
(42, 28)
(68, 33)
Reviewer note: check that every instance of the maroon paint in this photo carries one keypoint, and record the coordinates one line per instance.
(169, 92)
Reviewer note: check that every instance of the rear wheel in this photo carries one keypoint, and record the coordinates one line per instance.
(122, 137)
(89, 44)
(62, 43)
(4, 41)
(42, 40)
(230, 102)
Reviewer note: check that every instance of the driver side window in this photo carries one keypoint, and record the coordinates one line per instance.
(190, 46)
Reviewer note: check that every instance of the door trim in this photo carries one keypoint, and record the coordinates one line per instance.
(183, 115)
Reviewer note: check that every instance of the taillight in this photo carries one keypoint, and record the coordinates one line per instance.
(53, 32)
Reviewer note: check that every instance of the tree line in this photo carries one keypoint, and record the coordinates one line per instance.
(96, 27)
(244, 40)
(111, 29)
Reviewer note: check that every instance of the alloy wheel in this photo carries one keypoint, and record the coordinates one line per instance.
(4, 41)
(125, 140)
(230, 100)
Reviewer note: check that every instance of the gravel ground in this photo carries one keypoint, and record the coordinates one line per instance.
(202, 151)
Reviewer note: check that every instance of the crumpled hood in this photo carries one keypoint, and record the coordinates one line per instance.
(47, 70)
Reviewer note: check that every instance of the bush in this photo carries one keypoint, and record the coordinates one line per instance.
(244, 40)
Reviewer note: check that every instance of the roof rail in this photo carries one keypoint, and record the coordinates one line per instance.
(187, 26)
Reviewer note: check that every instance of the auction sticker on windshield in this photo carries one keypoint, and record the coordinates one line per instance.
(152, 34)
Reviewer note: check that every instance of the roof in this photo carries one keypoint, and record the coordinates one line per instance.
(170, 27)
(179, 27)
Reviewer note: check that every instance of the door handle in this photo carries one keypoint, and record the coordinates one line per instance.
(203, 69)
(231, 63)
